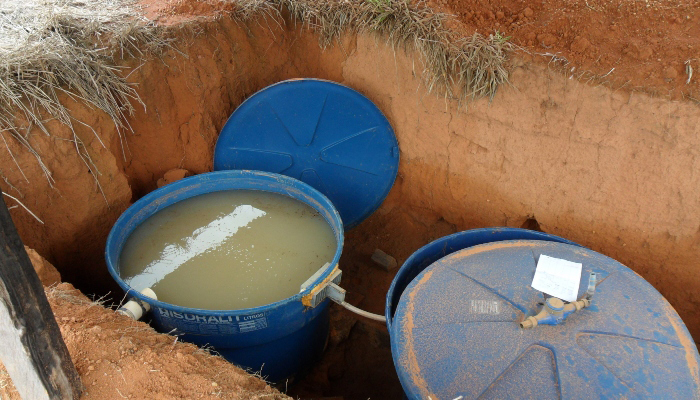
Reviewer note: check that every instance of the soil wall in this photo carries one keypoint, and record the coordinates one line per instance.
(614, 171)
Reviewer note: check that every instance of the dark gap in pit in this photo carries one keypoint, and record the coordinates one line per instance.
(357, 363)
(532, 224)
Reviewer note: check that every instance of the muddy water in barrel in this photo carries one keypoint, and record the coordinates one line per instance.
(228, 250)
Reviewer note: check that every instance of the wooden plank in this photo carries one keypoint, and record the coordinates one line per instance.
(31, 346)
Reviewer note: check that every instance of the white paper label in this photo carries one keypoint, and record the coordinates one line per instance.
(557, 277)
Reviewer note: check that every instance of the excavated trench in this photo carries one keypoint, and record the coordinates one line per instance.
(614, 171)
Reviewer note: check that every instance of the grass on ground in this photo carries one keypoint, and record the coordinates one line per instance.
(75, 48)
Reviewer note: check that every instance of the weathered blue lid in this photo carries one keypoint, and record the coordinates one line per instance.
(322, 133)
(456, 332)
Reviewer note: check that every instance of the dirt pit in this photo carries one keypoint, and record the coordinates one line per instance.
(612, 170)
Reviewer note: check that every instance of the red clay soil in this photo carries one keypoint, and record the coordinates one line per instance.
(119, 358)
(645, 43)
(170, 12)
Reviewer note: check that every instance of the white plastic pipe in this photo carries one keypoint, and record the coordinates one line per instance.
(363, 313)
(135, 309)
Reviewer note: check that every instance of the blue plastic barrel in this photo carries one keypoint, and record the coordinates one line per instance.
(278, 340)
(320, 132)
(456, 333)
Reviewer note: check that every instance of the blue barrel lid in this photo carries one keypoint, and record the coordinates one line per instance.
(322, 133)
(456, 331)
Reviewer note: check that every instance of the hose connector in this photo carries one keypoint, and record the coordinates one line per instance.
(329, 289)
(591, 285)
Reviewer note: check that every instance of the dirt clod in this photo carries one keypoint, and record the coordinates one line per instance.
(48, 274)
(670, 73)
(383, 260)
(546, 39)
(172, 176)
(580, 44)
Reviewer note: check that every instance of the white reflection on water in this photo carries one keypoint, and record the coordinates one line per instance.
(203, 239)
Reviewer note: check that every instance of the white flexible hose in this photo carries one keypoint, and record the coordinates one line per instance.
(364, 313)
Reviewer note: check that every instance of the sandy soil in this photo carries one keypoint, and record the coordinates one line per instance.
(119, 358)
(640, 45)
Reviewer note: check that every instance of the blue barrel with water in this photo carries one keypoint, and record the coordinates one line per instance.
(455, 328)
(277, 340)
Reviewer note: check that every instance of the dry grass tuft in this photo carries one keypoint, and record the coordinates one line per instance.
(60, 293)
(50, 48)
(472, 67)
(54, 48)
(247, 10)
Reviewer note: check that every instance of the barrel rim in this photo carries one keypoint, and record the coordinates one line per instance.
(474, 236)
(152, 198)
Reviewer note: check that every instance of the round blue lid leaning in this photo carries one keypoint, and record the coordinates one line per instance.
(322, 133)
(456, 332)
